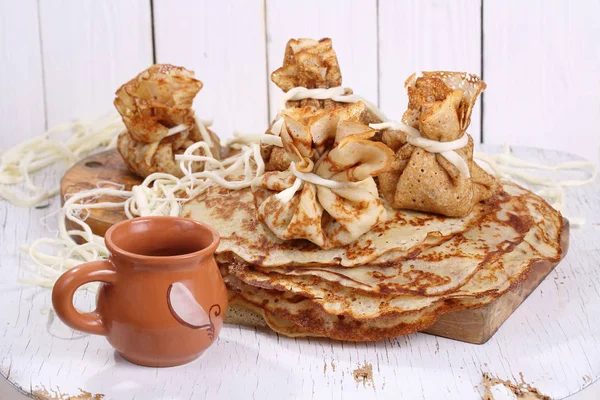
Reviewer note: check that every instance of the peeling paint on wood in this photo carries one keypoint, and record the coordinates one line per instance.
(43, 393)
(364, 374)
(522, 390)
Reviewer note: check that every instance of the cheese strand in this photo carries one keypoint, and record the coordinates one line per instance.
(286, 195)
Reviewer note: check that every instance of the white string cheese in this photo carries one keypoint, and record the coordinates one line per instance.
(271, 140)
(203, 131)
(176, 129)
(506, 166)
(286, 195)
(17, 163)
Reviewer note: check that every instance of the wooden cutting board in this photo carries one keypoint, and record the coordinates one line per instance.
(472, 326)
(94, 171)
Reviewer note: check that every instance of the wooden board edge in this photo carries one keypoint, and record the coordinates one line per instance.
(504, 306)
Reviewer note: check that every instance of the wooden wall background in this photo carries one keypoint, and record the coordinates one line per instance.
(61, 59)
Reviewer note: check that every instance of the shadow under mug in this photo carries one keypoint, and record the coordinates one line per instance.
(162, 300)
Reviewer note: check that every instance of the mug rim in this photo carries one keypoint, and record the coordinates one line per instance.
(115, 249)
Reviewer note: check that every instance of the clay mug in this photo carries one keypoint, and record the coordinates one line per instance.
(162, 299)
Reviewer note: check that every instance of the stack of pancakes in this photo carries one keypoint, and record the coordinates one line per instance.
(396, 279)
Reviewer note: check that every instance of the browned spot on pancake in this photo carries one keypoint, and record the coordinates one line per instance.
(521, 224)
(423, 221)
(422, 279)
(378, 275)
(250, 225)
(221, 201)
(354, 251)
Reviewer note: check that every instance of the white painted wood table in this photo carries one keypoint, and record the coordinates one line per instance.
(552, 340)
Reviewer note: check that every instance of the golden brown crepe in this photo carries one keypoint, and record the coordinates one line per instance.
(156, 100)
(328, 217)
(440, 106)
(308, 63)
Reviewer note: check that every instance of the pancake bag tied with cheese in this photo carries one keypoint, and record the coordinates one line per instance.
(311, 64)
(440, 106)
(156, 100)
(328, 140)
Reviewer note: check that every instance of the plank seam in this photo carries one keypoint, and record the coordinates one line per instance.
(39, 21)
(482, 47)
(265, 22)
(153, 37)
(378, 55)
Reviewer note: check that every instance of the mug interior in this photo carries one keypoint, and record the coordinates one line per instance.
(159, 237)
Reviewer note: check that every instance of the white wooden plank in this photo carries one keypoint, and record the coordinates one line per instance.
(542, 63)
(553, 338)
(351, 25)
(22, 104)
(224, 43)
(428, 35)
(90, 48)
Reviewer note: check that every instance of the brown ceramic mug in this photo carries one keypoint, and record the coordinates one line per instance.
(163, 299)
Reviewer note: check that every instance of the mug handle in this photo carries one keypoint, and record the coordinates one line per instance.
(64, 290)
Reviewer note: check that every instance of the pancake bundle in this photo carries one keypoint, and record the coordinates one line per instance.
(352, 227)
